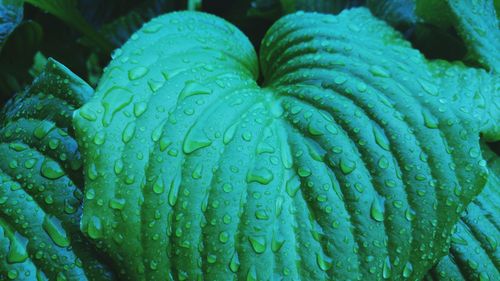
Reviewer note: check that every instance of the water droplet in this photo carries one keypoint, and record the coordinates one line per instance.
(383, 163)
(323, 262)
(51, 170)
(197, 173)
(54, 143)
(340, 80)
(158, 186)
(128, 132)
(407, 270)
(43, 129)
(195, 141)
(252, 274)
(246, 136)
(118, 166)
(292, 186)
(17, 247)
(94, 228)
(347, 166)
(376, 211)
(117, 203)
(387, 269)
(227, 187)
(192, 88)
(429, 121)
(140, 108)
(154, 85)
(87, 113)
(361, 87)
(260, 175)
(379, 71)
(100, 137)
(311, 128)
(380, 139)
(264, 148)
(234, 264)
(174, 190)
(55, 231)
(229, 133)
(152, 27)
(30, 163)
(258, 244)
(428, 87)
(223, 237)
(114, 100)
(137, 73)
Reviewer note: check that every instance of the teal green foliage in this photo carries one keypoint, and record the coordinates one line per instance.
(264, 140)
(41, 184)
(214, 175)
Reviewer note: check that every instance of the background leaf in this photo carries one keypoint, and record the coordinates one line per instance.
(475, 21)
(11, 14)
(67, 11)
(41, 184)
(398, 13)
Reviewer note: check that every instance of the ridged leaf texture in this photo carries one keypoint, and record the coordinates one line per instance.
(474, 252)
(352, 160)
(41, 183)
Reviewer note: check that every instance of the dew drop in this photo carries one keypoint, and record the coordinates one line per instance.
(347, 166)
(55, 231)
(260, 175)
(51, 170)
(258, 244)
(192, 88)
(137, 73)
(376, 211)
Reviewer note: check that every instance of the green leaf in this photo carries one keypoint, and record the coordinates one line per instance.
(476, 22)
(399, 13)
(343, 164)
(41, 183)
(67, 11)
(474, 252)
(11, 14)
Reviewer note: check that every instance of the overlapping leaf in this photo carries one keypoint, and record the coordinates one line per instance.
(475, 20)
(41, 184)
(343, 165)
(474, 252)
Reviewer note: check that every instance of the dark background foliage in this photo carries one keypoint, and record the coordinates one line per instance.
(81, 34)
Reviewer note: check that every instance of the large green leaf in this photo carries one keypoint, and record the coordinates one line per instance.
(345, 164)
(475, 20)
(11, 14)
(41, 184)
(474, 252)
